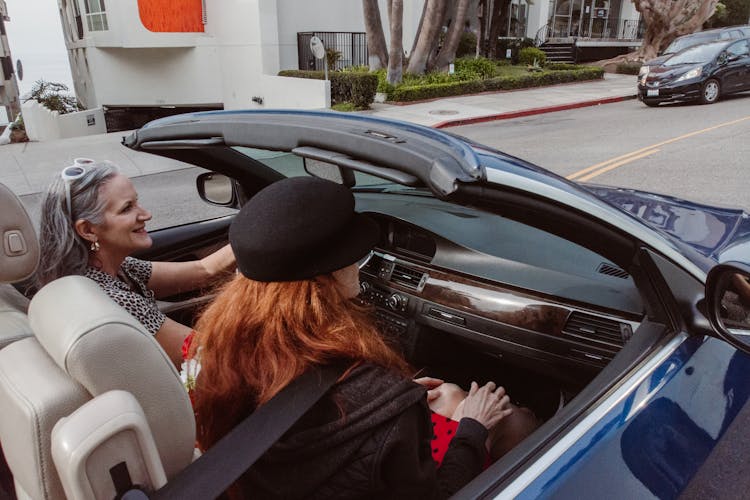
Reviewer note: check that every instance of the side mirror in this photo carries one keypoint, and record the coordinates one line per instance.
(329, 171)
(728, 303)
(217, 189)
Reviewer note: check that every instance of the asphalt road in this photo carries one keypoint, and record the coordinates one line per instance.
(685, 150)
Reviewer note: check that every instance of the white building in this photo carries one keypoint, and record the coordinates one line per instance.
(194, 53)
(9, 100)
(225, 53)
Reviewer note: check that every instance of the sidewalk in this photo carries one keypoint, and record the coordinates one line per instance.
(462, 110)
(29, 167)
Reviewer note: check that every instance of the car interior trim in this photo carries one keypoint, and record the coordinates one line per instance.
(572, 436)
(651, 336)
(184, 143)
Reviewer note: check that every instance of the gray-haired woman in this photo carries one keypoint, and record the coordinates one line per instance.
(90, 225)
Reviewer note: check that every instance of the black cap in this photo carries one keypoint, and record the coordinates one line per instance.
(299, 228)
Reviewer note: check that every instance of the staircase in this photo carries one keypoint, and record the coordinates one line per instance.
(559, 52)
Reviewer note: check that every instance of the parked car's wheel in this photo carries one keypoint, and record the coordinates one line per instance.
(651, 104)
(710, 91)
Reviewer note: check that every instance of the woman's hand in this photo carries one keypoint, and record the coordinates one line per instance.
(488, 405)
(431, 384)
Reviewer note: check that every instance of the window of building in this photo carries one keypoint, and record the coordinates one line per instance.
(96, 17)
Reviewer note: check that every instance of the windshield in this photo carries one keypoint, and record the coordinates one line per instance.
(699, 54)
(679, 44)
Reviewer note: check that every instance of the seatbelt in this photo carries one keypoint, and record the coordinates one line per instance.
(223, 463)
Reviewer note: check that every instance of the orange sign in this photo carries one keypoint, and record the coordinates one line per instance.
(171, 16)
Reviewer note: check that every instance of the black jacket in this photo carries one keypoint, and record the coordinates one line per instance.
(380, 448)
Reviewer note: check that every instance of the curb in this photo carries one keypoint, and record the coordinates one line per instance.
(529, 112)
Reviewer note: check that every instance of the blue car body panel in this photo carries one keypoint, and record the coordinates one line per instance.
(653, 441)
(709, 230)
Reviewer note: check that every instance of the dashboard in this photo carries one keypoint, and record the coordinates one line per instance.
(504, 288)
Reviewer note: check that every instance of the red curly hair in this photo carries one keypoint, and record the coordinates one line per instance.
(256, 337)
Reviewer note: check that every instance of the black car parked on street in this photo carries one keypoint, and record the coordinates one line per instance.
(697, 38)
(703, 72)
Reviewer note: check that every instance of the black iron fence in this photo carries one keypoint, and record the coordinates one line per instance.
(350, 47)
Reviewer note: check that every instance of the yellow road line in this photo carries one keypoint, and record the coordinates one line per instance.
(613, 166)
(634, 155)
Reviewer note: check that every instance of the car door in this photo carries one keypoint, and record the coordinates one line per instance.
(734, 60)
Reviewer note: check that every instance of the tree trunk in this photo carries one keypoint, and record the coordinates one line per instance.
(667, 19)
(448, 51)
(481, 9)
(376, 49)
(496, 21)
(427, 37)
(396, 53)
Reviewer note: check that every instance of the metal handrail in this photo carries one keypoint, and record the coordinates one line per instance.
(541, 35)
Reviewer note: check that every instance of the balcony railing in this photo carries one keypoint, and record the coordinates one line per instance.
(597, 28)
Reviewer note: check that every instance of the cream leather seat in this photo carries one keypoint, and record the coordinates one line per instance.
(86, 346)
(19, 257)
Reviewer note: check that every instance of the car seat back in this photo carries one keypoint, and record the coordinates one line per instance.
(101, 346)
(34, 394)
(85, 347)
(19, 257)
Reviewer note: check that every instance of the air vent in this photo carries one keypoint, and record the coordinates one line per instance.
(409, 278)
(611, 270)
(585, 327)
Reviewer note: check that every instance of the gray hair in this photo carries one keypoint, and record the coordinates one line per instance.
(62, 251)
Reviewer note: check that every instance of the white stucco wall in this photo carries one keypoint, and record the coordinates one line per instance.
(156, 77)
(293, 93)
(44, 125)
(538, 16)
(243, 41)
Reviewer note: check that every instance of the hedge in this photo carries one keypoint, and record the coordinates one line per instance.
(417, 93)
(629, 68)
(351, 86)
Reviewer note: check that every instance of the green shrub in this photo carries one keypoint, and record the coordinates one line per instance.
(628, 68)
(527, 55)
(557, 66)
(515, 45)
(433, 77)
(363, 88)
(481, 66)
(405, 93)
(362, 68)
(467, 46)
(346, 86)
(344, 107)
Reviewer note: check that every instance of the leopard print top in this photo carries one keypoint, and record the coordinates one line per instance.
(139, 301)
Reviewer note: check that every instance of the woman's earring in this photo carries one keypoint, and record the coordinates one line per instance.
(95, 246)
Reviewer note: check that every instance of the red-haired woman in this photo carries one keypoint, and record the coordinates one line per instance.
(297, 243)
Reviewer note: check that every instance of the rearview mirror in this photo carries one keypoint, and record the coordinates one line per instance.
(216, 189)
(728, 299)
(329, 171)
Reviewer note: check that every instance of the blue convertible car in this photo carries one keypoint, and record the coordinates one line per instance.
(617, 316)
